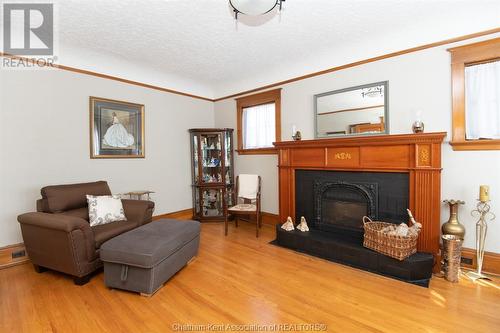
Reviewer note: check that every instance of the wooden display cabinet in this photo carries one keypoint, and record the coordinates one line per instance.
(212, 172)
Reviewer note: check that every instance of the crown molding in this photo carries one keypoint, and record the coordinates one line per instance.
(272, 85)
(365, 61)
(110, 77)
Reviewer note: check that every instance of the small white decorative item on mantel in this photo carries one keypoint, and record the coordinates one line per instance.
(418, 125)
(288, 225)
(303, 224)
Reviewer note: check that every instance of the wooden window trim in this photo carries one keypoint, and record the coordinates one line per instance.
(461, 57)
(254, 100)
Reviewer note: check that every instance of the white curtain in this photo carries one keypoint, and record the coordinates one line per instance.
(259, 128)
(482, 101)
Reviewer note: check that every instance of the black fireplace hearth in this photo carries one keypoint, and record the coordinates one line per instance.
(416, 269)
(334, 203)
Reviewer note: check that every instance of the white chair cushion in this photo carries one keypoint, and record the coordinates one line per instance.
(243, 208)
(248, 185)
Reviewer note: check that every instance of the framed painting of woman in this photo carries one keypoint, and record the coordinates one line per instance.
(116, 129)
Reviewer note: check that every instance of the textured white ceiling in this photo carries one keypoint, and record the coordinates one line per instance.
(198, 41)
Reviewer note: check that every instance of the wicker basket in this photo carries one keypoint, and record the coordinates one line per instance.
(398, 247)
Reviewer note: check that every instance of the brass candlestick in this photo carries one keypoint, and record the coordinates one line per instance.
(483, 210)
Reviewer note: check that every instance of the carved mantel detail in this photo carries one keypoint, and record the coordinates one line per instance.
(417, 154)
(343, 156)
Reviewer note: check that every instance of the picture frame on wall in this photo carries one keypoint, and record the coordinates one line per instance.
(116, 129)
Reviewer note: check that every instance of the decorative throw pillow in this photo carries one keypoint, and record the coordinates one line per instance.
(105, 209)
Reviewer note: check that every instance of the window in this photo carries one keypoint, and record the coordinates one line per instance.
(476, 96)
(259, 126)
(259, 122)
(482, 101)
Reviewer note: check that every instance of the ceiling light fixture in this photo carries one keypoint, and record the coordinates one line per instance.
(254, 7)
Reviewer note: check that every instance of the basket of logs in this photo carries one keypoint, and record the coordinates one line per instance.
(395, 241)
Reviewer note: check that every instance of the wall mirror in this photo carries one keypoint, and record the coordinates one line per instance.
(360, 110)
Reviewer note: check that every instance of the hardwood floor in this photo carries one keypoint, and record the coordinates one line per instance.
(243, 280)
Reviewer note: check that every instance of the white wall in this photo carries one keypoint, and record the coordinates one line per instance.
(417, 81)
(44, 139)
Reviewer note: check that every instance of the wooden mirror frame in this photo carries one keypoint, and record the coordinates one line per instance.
(385, 84)
(462, 56)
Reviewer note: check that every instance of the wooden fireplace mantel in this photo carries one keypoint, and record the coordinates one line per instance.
(419, 155)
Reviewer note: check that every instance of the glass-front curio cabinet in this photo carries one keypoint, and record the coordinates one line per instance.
(212, 172)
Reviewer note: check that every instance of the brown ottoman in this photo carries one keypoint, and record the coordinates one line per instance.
(143, 259)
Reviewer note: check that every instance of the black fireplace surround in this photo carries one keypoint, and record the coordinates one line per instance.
(334, 203)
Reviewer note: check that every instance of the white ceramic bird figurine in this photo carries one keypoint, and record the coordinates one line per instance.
(303, 224)
(288, 225)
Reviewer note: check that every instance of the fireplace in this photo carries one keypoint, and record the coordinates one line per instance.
(334, 182)
(336, 201)
(340, 206)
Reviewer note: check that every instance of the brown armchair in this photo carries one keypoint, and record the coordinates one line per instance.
(58, 236)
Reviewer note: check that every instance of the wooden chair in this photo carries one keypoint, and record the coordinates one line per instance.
(248, 206)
